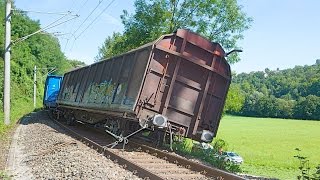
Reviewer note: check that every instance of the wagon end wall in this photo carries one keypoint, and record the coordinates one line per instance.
(187, 82)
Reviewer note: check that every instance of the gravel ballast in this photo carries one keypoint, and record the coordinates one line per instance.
(41, 150)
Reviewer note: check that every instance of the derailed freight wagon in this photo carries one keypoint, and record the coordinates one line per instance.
(178, 81)
(51, 91)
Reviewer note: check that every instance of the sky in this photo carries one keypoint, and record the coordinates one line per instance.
(283, 34)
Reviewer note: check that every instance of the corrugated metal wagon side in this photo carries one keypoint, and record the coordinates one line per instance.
(187, 82)
(110, 86)
(182, 76)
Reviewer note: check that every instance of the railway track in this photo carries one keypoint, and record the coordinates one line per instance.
(145, 161)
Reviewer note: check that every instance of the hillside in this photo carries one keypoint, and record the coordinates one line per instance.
(42, 50)
(289, 93)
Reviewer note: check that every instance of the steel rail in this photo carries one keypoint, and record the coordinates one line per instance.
(131, 166)
(206, 170)
(143, 172)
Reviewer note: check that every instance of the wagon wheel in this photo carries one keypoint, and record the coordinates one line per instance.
(70, 119)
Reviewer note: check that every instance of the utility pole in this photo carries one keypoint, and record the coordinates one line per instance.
(6, 93)
(35, 86)
(6, 89)
(35, 71)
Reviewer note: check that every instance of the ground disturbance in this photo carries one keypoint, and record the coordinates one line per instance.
(41, 150)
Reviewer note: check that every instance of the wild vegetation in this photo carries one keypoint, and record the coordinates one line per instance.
(208, 155)
(42, 50)
(221, 21)
(304, 167)
(268, 144)
(289, 93)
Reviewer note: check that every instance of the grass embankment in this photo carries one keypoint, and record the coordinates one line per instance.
(267, 144)
(18, 110)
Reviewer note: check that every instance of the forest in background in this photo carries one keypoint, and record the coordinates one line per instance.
(290, 93)
(42, 50)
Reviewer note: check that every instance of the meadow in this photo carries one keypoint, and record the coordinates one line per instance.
(268, 144)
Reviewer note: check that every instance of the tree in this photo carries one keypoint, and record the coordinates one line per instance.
(308, 108)
(221, 21)
(289, 93)
(283, 108)
(235, 99)
(42, 50)
(75, 63)
(112, 46)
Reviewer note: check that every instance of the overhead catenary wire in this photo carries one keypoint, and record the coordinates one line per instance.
(91, 22)
(100, 1)
(65, 47)
(82, 6)
(42, 12)
(56, 33)
(42, 29)
(95, 18)
(60, 34)
(71, 34)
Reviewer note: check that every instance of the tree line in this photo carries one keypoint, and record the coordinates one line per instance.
(290, 93)
(222, 21)
(42, 50)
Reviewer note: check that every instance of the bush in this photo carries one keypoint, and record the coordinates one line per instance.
(308, 108)
(4, 176)
(207, 153)
(305, 168)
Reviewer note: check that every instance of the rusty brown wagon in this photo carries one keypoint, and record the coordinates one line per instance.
(178, 81)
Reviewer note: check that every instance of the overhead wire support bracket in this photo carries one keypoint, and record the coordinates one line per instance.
(74, 33)
(45, 28)
(41, 12)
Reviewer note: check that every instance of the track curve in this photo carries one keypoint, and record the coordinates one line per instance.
(145, 161)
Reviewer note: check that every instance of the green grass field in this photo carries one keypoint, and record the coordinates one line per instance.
(267, 144)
